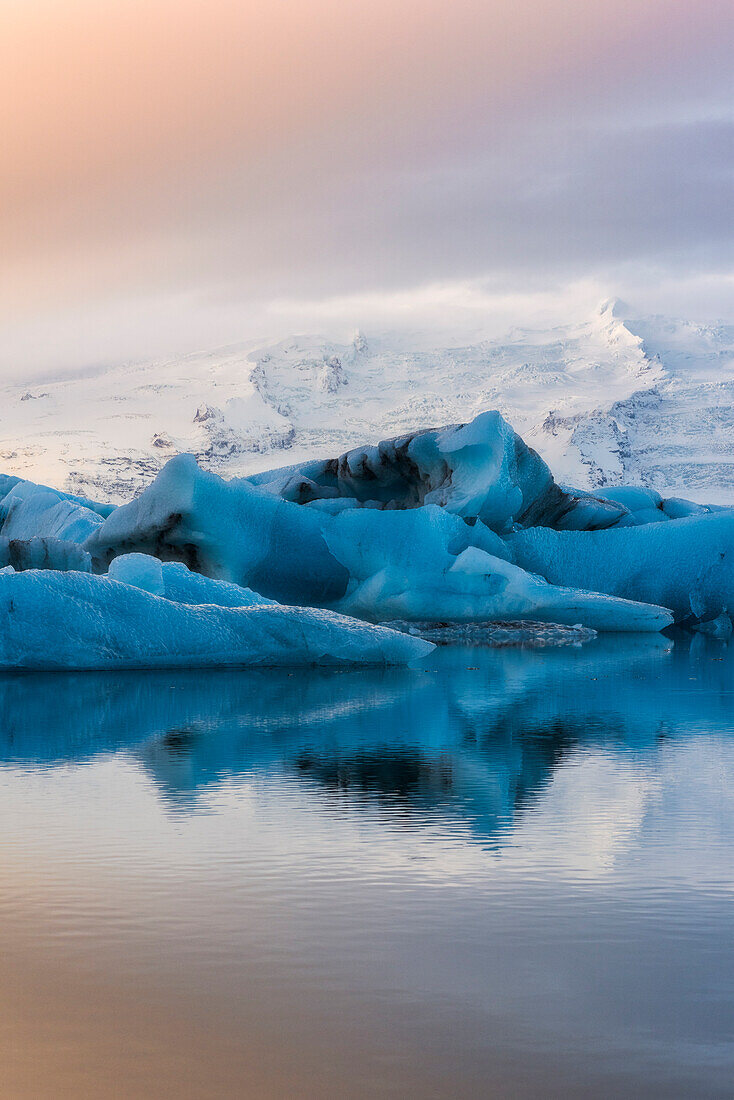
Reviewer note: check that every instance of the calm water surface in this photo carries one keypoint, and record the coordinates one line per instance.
(508, 874)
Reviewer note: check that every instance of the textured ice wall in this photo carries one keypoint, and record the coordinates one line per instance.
(55, 620)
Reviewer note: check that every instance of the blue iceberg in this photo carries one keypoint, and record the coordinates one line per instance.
(54, 621)
(30, 511)
(174, 581)
(43, 553)
(420, 563)
(685, 564)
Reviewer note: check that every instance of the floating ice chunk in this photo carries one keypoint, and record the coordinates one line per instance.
(175, 582)
(229, 531)
(478, 470)
(57, 620)
(9, 481)
(377, 565)
(28, 511)
(677, 508)
(721, 627)
(40, 553)
(502, 634)
(633, 497)
(685, 564)
(140, 570)
(478, 587)
(648, 506)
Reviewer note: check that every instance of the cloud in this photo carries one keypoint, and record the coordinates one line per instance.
(238, 155)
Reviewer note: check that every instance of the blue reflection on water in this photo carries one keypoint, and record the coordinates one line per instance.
(478, 732)
(554, 826)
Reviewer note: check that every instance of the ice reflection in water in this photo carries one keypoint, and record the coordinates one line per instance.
(505, 865)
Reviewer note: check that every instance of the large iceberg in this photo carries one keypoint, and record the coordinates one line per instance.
(420, 563)
(481, 470)
(686, 564)
(54, 620)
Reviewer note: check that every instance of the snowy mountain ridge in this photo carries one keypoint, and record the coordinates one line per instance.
(606, 401)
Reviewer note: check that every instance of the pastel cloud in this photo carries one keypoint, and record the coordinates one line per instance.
(262, 150)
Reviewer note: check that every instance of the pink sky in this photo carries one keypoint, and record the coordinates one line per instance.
(245, 151)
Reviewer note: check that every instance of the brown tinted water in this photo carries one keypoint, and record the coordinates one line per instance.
(508, 874)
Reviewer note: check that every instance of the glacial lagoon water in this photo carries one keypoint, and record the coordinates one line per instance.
(510, 873)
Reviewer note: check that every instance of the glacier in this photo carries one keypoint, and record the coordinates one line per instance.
(607, 398)
(58, 621)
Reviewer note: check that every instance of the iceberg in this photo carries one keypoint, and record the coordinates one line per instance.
(720, 628)
(481, 470)
(174, 581)
(39, 553)
(448, 527)
(228, 531)
(422, 563)
(685, 564)
(56, 621)
(647, 506)
(427, 566)
(30, 511)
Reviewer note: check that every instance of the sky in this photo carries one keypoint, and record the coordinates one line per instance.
(177, 174)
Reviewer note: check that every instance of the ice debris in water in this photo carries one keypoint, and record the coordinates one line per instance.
(496, 635)
(54, 620)
(721, 627)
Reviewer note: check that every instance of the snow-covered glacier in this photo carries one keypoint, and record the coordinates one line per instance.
(607, 399)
